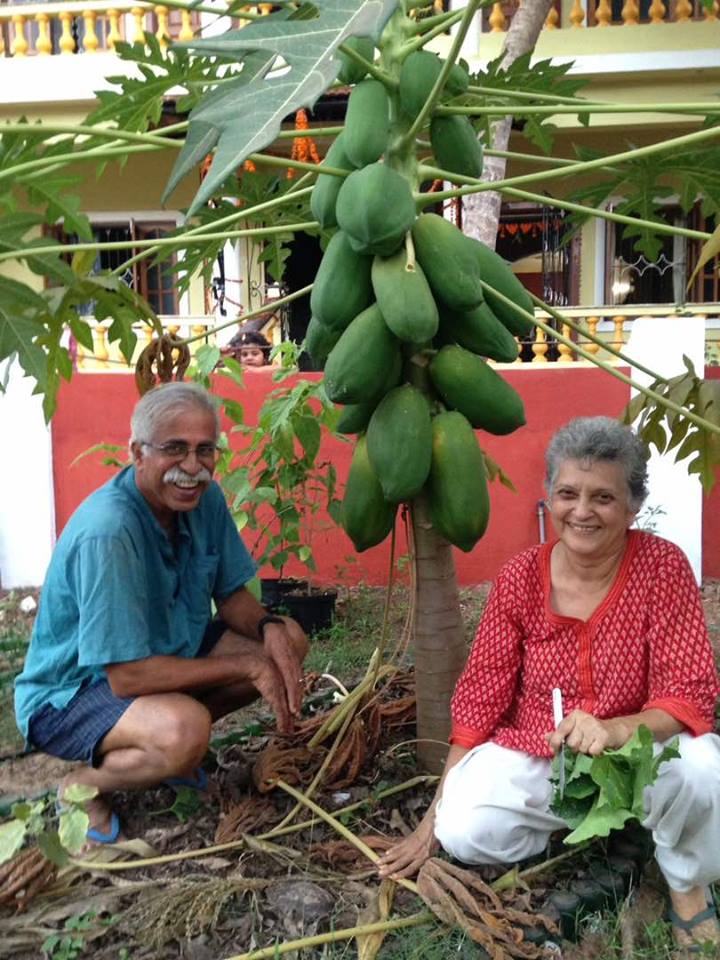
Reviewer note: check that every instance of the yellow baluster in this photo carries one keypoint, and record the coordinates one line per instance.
(712, 14)
(44, 43)
(67, 41)
(2, 45)
(577, 14)
(163, 30)
(90, 40)
(683, 11)
(19, 46)
(100, 347)
(603, 13)
(618, 335)
(518, 358)
(138, 15)
(591, 347)
(565, 352)
(197, 330)
(540, 347)
(631, 13)
(265, 9)
(186, 30)
(657, 11)
(497, 19)
(553, 19)
(114, 34)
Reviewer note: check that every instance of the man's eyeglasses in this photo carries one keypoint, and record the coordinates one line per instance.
(179, 449)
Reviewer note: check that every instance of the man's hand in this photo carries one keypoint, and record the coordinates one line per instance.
(583, 733)
(264, 675)
(282, 651)
(405, 858)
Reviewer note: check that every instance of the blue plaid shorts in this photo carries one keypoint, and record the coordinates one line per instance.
(75, 732)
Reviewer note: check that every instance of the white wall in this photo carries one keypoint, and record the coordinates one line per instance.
(659, 343)
(27, 517)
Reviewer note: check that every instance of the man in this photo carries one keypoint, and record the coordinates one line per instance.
(126, 667)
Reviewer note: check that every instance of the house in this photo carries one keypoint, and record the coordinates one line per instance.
(53, 56)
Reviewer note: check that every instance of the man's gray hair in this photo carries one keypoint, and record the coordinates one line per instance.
(166, 400)
(601, 438)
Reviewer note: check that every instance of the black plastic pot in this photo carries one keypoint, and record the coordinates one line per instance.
(313, 608)
(273, 589)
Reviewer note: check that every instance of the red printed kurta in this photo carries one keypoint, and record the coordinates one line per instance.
(646, 646)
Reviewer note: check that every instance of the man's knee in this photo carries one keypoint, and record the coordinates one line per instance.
(182, 731)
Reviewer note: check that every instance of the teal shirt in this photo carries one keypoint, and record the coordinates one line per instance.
(116, 590)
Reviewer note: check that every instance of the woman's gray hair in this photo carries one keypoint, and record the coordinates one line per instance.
(166, 400)
(601, 438)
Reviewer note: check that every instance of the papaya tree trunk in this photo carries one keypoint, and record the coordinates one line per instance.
(481, 211)
(438, 638)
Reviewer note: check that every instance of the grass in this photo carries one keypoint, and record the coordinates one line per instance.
(15, 627)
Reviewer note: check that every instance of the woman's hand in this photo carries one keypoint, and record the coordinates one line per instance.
(583, 733)
(406, 857)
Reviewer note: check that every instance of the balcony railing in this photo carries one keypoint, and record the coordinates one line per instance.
(91, 26)
(606, 13)
(534, 352)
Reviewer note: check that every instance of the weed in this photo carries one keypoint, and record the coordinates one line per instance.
(69, 944)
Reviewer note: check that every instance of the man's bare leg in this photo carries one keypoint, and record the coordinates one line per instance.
(159, 736)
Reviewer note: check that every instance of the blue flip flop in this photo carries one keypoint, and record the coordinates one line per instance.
(198, 781)
(97, 836)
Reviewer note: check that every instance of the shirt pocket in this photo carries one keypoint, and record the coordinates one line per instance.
(201, 575)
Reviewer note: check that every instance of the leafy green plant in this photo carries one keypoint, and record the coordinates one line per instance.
(71, 942)
(186, 804)
(602, 793)
(37, 819)
(276, 483)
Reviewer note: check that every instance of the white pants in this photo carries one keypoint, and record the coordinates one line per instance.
(495, 808)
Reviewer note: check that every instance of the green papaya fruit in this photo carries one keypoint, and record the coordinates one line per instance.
(375, 207)
(365, 362)
(327, 187)
(355, 417)
(457, 486)
(350, 70)
(367, 123)
(479, 331)
(342, 286)
(448, 259)
(366, 516)
(399, 443)
(468, 384)
(417, 77)
(456, 146)
(496, 272)
(319, 341)
(404, 297)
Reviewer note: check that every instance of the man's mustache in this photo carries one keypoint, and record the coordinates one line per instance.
(177, 474)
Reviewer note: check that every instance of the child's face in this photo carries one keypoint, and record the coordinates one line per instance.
(252, 356)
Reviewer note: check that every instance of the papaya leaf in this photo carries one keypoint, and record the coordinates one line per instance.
(599, 822)
(12, 837)
(74, 823)
(52, 849)
(248, 116)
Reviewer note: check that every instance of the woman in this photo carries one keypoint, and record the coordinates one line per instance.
(612, 617)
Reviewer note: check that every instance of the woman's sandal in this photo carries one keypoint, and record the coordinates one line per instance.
(685, 933)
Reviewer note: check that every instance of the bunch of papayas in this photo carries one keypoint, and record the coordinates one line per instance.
(400, 321)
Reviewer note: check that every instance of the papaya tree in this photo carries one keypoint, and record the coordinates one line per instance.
(406, 308)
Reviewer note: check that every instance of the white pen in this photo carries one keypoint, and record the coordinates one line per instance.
(557, 720)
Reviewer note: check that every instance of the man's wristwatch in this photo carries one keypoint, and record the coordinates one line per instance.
(264, 621)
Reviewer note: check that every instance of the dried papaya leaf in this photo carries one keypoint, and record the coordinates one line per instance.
(369, 944)
(398, 713)
(341, 854)
(244, 817)
(27, 873)
(291, 764)
(472, 880)
(349, 757)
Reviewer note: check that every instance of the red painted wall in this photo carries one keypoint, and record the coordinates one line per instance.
(96, 408)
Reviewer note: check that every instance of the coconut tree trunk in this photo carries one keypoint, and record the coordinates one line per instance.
(439, 637)
(481, 211)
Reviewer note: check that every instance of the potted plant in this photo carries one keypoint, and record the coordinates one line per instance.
(276, 484)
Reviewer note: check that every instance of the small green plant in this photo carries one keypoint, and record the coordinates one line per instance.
(186, 804)
(277, 483)
(648, 517)
(37, 819)
(70, 943)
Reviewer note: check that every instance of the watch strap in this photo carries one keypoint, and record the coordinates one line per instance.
(264, 621)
